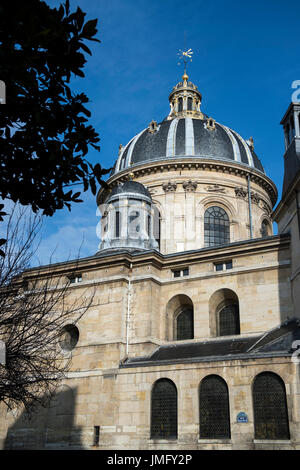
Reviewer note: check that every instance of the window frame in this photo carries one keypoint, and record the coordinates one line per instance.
(265, 411)
(216, 228)
(161, 436)
(204, 409)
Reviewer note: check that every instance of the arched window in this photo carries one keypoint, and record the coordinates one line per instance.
(216, 227)
(270, 407)
(180, 105)
(185, 325)
(265, 228)
(214, 408)
(164, 410)
(190, 104)
(229, 320)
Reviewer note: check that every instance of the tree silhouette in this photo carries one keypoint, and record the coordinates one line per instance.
(44, 132)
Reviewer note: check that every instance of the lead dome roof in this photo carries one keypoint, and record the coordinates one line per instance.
(187, 133)
(130, 188)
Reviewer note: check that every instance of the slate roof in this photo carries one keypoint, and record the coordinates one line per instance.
(187, 137)
(130, 187)
(275, 342)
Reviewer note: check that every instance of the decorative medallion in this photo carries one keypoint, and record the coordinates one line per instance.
(189, 185)
(169, 187)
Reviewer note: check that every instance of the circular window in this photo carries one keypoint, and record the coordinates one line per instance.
(69, 337)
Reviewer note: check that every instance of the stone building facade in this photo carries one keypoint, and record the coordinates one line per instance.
(191, 341)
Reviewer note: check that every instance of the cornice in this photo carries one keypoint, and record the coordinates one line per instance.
(129, 260)
(193, 163)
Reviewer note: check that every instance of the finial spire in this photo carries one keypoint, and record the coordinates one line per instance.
(185, 98)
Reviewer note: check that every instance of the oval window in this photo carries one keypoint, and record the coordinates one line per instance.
(69, 337)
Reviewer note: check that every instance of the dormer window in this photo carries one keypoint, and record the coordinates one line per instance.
(210, 124)
(153, 127)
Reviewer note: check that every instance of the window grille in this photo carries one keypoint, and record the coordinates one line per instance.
(270, 407)
(214, 408)
(216, 227)
(164, 410)
(229, 321)
(185, 325)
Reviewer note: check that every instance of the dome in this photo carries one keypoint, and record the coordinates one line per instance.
(187, 132)
(133, 188)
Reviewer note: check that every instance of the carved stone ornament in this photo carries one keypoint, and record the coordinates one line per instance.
(255, 198)
(240, 192)
(120, 148)
(189, 185)
(216, 188)
(169, 187)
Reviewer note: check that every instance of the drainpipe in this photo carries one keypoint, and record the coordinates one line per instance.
(250, 211)
(128, 308)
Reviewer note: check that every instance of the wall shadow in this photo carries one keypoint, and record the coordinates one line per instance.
(50, 427)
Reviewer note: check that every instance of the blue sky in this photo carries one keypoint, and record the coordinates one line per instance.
(246, 56)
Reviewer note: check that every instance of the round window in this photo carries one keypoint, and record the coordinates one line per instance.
(69, 337)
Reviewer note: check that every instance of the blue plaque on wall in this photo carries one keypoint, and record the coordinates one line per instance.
(242, 417)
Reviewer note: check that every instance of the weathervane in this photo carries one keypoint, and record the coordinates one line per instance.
(185, 57)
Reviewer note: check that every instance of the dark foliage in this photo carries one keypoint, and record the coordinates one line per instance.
(44, 130)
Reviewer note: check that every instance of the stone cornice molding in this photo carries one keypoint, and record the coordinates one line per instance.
(190, 163)
(124, 258)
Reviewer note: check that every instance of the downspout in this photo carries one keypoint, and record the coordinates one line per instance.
(128, 309)
(250, 211)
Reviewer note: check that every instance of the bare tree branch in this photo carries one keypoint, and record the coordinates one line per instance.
(35, 308)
